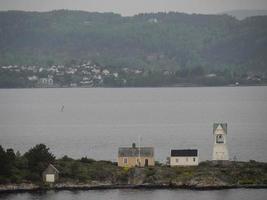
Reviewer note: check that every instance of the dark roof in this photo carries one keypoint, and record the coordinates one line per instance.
(134, 152)
(223, 125)
(184, 152)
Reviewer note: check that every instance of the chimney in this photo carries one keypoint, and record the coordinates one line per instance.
(134, 145)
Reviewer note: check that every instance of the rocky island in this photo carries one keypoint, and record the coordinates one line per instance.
(24, 173)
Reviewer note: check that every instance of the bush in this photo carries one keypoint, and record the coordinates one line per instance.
(150, 172)
(79, 171)
(264, 181)
(122, 177)
(157, 163)
(188, 174)
(66, 158)
(252, 161)
(35, 177)
(87, 160)
(247, 181)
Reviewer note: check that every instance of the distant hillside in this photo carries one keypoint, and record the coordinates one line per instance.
(155, 41)
(242, 14)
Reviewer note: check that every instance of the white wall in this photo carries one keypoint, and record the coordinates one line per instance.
(184, 161)
(50, 178)
(220, 152)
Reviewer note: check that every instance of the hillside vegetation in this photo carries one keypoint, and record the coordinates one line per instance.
(243, 14)
(171, 41)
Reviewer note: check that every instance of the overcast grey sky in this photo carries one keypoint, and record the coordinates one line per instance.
(130, 7)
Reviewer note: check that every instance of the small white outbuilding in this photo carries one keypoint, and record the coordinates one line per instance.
(184, 157)
(51, 174)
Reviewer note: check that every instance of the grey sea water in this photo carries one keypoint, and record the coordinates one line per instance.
(123, 194)
(95, 122)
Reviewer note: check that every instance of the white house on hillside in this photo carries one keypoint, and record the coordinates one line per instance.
(46, 82)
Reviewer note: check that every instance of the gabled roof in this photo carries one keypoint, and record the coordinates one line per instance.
(134, 152)
(223, 125)
(51, 169)
(184, 152)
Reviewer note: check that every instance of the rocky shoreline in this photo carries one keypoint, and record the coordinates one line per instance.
(88, 174)
(30, 187)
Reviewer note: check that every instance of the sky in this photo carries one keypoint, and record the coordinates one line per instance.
(131, 7)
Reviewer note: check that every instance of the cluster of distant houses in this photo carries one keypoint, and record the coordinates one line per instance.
(137, 156)
(86, 75)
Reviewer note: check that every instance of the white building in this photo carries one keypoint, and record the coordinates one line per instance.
(220, 151)
(105, 72)
(46, 82)
(96, 71)
(32, 78)
(184, 157)
(51, 174)
(116, 75)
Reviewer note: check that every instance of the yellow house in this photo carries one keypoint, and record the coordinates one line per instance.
(136, 156)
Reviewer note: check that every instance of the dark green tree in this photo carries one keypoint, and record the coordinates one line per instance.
(3, 161)
(10, 155)
(38, 158)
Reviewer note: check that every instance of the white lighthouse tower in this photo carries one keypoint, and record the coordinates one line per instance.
(220, 151)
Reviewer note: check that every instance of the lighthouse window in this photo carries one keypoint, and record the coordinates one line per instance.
(219, 139)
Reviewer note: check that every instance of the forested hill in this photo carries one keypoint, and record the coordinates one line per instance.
(155, 41)
(242, 14)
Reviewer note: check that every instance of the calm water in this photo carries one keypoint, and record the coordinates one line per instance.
(95, 122)
(240, 194)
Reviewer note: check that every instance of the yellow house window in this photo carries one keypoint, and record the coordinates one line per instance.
(177, 160)
(194, 159)
(125, 160)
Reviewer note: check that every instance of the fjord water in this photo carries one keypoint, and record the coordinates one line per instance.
(125, 194)
(96, 121)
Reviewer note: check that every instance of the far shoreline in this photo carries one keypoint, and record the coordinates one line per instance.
(143, 87)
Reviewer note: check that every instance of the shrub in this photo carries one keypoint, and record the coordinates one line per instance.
(122, 177)
(126, 169)
(66, 158)
(79, 171)
(87, 160)
(35, 177)
(150, 172)
(247, 181)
